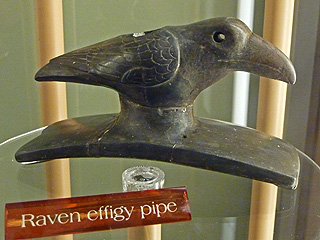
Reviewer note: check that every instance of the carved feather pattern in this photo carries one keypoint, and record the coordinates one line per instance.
(145, 60)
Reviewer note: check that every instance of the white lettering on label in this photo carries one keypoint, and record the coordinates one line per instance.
(27, 218)
(157, 209)
(43, 220)
(174, 205)
(92, 212)
(118, 214)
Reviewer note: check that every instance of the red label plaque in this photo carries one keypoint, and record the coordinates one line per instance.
(95, 213)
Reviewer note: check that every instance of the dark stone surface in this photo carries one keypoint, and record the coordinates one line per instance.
(158, 75)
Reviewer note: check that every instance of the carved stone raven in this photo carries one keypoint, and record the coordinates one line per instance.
(170, 66)
(158, 75)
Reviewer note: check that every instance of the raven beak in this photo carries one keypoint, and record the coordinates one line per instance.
(262, 58)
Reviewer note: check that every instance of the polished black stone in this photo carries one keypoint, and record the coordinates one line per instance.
(158, 75)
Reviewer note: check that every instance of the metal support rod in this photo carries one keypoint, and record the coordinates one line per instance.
(271, 110)
(49, 20)
(241, 82)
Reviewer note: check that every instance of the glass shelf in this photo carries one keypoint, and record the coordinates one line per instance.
(219, 203)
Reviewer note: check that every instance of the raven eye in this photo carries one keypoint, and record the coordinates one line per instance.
(219, 37)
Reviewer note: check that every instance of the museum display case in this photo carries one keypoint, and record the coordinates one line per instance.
(208, 164)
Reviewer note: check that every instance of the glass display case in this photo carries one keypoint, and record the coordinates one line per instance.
(219, 203)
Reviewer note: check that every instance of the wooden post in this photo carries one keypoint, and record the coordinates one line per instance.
(152, 232)
(49, 19)
(271, 110)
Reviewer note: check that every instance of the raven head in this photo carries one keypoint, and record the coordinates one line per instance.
(170, 66)
(213, 48)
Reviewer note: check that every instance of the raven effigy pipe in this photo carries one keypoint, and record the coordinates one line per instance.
(158, 75)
